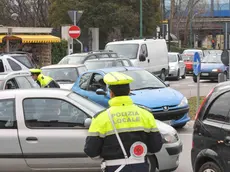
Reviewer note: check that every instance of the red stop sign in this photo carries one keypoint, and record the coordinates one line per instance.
(74, 32)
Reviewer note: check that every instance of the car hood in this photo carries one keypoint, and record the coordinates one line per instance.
(153, 98)
(66, 86)
(165, 128)
(210, 66)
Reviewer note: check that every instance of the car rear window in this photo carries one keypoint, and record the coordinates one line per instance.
(24, 60)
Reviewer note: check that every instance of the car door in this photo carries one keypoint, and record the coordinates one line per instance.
(96, 82)
(81, 85)
(23, 82)
(52, 133)
(215, 119)
(10, 150)
(181, 64)
(225, 134)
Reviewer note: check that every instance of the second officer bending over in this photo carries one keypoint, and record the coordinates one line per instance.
(42, 80)
(126, 122)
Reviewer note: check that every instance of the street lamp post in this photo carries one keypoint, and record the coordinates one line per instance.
(141, 17)
(191, 30)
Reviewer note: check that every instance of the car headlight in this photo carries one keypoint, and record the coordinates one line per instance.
(184, 102)
(169, 138)
(216, 70)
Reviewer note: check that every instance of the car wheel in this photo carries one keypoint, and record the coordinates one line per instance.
(209, 167)
(163, 76)
(180, 126)
(152, 163)
(178, 75)
(184, 76)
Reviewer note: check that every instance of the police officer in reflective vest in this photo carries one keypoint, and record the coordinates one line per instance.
(124, 133)
(42, 80)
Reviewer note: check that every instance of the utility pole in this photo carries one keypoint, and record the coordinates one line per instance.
(141, 18)
(190, 19)
(172, 14)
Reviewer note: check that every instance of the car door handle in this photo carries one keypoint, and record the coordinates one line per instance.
(227, 141)
(31, 138)
(148, 60)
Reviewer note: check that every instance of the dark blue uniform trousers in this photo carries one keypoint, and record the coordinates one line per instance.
(143, 167)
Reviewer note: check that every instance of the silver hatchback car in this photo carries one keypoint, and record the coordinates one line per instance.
(45, 130)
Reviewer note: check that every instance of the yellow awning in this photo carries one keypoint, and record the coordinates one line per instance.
(38, 38)
(1, 38)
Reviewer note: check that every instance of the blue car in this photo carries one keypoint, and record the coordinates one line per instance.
(147, 90)
(211, 66)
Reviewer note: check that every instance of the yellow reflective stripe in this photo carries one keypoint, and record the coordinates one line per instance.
(123, 130)
(114, 76)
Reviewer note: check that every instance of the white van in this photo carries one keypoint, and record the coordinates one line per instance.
(149, 54)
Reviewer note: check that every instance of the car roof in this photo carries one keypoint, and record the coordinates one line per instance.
(136, 41)
(117, 69)
(92, 52)
(4, 75)
(57, 92)
(107, 59)
(173, 53)
(62, 66)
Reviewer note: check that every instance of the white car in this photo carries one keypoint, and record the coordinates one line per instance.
(64, 74)
(45, 130)
(177, 67)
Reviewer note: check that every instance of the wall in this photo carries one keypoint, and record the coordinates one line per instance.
(42, 54)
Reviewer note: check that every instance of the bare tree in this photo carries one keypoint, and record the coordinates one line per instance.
(30, 12)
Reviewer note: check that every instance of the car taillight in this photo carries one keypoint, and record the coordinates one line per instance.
(202, 104)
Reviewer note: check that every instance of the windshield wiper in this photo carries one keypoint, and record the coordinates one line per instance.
(64, 80)
(143, 88)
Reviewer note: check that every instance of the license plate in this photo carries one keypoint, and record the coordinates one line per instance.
(205, 74)
(168, 122)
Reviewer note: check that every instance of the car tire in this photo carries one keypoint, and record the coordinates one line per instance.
(210, 166)
(184, 76)
(152, 163)
(178, 75)
(162, 75)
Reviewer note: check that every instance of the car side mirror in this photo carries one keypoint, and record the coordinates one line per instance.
(142, 58)
(87, 122)
(100, 92)
(167, 83)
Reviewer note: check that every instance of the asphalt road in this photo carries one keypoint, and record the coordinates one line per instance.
(189, 89)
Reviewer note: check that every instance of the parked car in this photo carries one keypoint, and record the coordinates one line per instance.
(177, 67)
(80, 58)
(211, 66)
(107, 62)
(149, 54)
(45, 130)
(17, 80)
(147, 90)
(64, 75)
(211, 139)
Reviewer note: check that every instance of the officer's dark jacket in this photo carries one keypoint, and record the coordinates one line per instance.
(46, 82)
(133, 124)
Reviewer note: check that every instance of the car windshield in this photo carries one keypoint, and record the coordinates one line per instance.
(193, 52)
(99, 64)
(92, 106)
(214, 58)
(124, 50)
(187, 57)
(68, 74)
(144, 80)
(73, 59)
(24, 60)
(172, 58)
